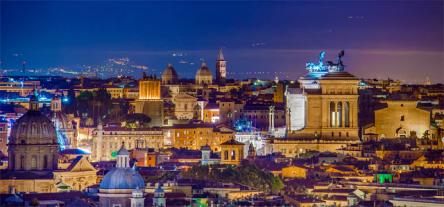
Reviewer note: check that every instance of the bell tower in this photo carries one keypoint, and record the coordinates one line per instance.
(221, 68)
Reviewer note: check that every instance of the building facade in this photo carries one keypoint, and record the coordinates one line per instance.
(108, 140)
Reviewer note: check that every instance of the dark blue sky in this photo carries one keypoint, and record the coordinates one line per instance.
(402, 40)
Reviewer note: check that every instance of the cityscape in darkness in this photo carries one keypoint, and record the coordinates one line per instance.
(222, 103)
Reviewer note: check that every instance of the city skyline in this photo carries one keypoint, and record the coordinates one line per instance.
(255, 36)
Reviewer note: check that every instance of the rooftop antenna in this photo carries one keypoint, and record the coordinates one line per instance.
(23, 68)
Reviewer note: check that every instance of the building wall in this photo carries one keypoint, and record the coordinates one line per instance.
(31, 185)
(211, 115)
(324, 108)
(196, 137)
(231, 154)
(111, 141)
(149, 89)
(401, 118)
(292, 148)
(151, 108)
(294, 172)
(4, 137)
(184, 106)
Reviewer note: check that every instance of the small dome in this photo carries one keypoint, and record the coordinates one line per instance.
(203, 70)
(60, 119)
(203, 75)
(122, 178)
(122, 151)
(33, 128)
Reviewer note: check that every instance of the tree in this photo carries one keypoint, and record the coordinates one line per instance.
(34, 202)
(137, 120)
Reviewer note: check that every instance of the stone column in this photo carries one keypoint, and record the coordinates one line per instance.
(344, 103)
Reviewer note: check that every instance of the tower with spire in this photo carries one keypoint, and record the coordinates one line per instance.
(221, 67)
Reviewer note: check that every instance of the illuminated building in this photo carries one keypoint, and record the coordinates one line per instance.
(245, 133)
(122, 186)
(149, 88)
(211, 113)
(221, 68)
(331, 103)
(195, 136)
(296, 102)
(33, 154)
(401, 119)
(3, 136)
(207, 157)
(169, 75)
(107, 140)
(278, 94)
(24, 88)
(149, 102)
(260, 117)
(184, 106)
(117, 92)
(229, 110)
(232, 152)
(203, 75)
(323, 114)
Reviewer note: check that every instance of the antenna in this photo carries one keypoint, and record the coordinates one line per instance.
(23, 68)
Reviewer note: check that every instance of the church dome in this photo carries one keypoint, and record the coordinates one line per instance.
(60, 119)
(33, 128)
(122, 178)
(169, 75)
(203, 70)
(33, 142)
(203, 75)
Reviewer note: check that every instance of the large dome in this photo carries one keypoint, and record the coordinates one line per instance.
(122, 178)
(33, 128)
(169, 75)
(33, 142)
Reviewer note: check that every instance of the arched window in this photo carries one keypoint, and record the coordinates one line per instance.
(332, 114)
(22, 162)
(45, 162)
(233, 155)
(34, 162)
(347, 114)
(339, 114)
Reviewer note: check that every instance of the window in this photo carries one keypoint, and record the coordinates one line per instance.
(339, 115)
(332, 134)
(225, 155)
(45, 162)
(233, 155)
(34, 162)
(402, 117)
(347, 114)
(22, 162)
(332, 114)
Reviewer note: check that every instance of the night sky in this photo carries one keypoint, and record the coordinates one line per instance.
(400, 40)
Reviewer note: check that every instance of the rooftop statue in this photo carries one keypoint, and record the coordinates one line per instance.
(329, 67)
(339, 66)
(320, 67)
